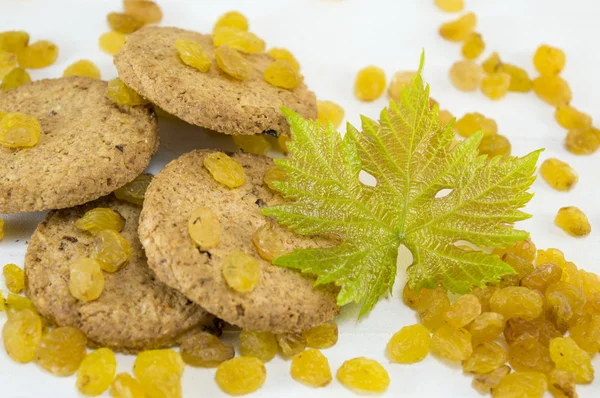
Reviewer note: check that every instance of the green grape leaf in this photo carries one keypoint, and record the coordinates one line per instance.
(409, 154)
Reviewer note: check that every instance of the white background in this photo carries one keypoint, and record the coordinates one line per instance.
(332, 40)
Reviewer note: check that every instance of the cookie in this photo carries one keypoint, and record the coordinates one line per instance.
(134, 312)
(88, 146)
(150, 64)
(282, 301)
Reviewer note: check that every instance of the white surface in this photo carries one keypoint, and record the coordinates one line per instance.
(332, 40)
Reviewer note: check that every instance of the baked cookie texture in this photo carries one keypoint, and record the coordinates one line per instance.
(282, 301)
(88, 146)
(150, 64)
(134, 312)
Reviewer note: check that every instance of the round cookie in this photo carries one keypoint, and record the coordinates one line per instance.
(88, 146)
(282, 301)
(134, 312)
(150, 64)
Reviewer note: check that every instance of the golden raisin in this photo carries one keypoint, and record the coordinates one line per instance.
(123, 23)
(445, 117)
(409, 345)
(145, 10)
(15, 78)
(322, 336)
(18, 130)
(558, 174)
(241, 375)
(96, 372)
(8, 61)
(525, 249)
(256, 144)
(471, 123)
(204, 228)
(432, 314)
(14, 278)
(329, 111)
(125, 386)
(492, 64)
(261, 345)
(370, 83)
(86, 281)
(238, 39)
(573, 221)
(538, 330)
(565, 304)
(267, 242)
(159, 373)
(590, 283)
(466, 75)
(530, 355)
(120, 94)
(495, 85)
(450, 5)
(486, 357)
(521, 384)
(567, 355)
(463, 311)
(135, 191)
(13, 41)
(519, 79)
(205, 350)
(15, 304)
(400, 80)
(280, 74)
(83, 68)
(241, 271)
(570, 118)
(232, 63)
(586, 333)
(562, 384)
(549, 60)
(363, 374)
(494, 145)
(284, 55)
(290, 344)
(521, 266)
(111, 42)
(99, 219)
(192, 54)
(486, 382)
(459, 29)
(542, 276)
(473, 46)
(583, 141)
(311, 367)
(21, 334)
(517, 302)
(452, 344)
(38, 55)
(225, 169)
(61, 350)
(272, 175)
(486, 327)
(232, 19)
(111, 250)
(553, 90)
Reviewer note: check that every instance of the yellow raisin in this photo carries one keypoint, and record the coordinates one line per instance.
(517, 302)
(445, 117)
(328, 111)
(14, 278)
(584, 141)
(492, 63)
(519, 79)
(432, 314)
(280, 74)
(487, 382)
(225, 169)
(463, 311)
(567, 355)
(232, 63)
(521, 384)
(540, 330)
(552, 89)
(542, 276)
(562, 384)
(399, 81)
(13, 41)
(411, 344)
(558, 174)
(370, 83)
(15, 78)
(61, 350)
(232, 19)
(451, 344)
(473, 46)
(450, 5)
(86, 281)
(123, 23)
(241, 271)
(159, 373)
(363, 374)
(529, 355)
(111, 250)
(83, 68)
(204, 228)
(38, 55)
(290, 344)
(486, 357)
(565, 304)
(256, 144)
(125, 386)
(96, 372)
(145, 10)
(549, 60)
(15, 304)
(120, 94)
(99, 219)
(525, 249)
(18, 130)
(590, 283)
(586, 333)
(111, 42)
(192, 54)
(238, 39)
(205, 350)
(466, 75)
(570, 118)
(459, 29)
(267, 242)
(284, 55)
(135, 191)
(495, 85)
(273, 175)
(241, 375)
(521, 266)
(21, 334)
(471, 123)
(494, 145)
(486, 327)
(261, 345)
(573, 221)
(311, 367)
(8, 61)
(322, 336)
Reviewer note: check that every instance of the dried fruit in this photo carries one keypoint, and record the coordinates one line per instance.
(553, 90)
(492, 63)
(237, 39)
(125, 386)
(241, 271)
(273, 175)
(542, 276)
(473, 46)
(21, 334)
(192, 54)
(570, 118)
(583, 141)
(284, 55)
(13, 41)
(120, 94)
(486, 382)
(15, 78)
(261, 345)
(111, 42)
(459, 29)
(123, 23)
(590, 283)
(135, 191)
(569, 270)
(8, 61)
(290, 344)
(486, 327)
(369, 84)
(549, 60)
(159, 373)
(517, 302)
(38, 55)
(86, 281)
(562, 384)
(471, 123)
(486, 357)
(83, 68)
(99, 219)
(322, 336)
(330, 111)
(61, 350)
(525, 249)
(540, 330)
(280, 74)
(96, 372)
(452, 344)
(463, 311)
(495, 85)
(494, 145)
(529, 355)
(18, 130)
(521, 266)
(15, 304)
(432, 314)
(573, 221)
(363, 374)
(205, 350)
(311, 368)
(225, 169)
(241, 375)
(267, 242)
(566, 303)
(567, 355)
(419, 299)
(145, 10)
(111, 250)
(586, 333)
(519, 79)
(204, 228)
(14, 278)
(466, 75)
(256, 144)
(558, 174)
(521, 384)
(399, 81)
(409, 345)
(232, 19)
(450, 5)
